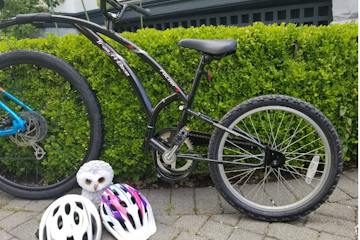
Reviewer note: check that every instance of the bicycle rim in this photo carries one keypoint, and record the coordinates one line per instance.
(277, 189)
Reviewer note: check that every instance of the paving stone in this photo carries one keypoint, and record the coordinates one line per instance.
(326, 236)
(269, 238)
(351, 202)
(27, 205)
(230, 219)
(331, 225)
(241, 234)
(106, 235)
(216, 231)
(165, 233)
(338, 195)
(26, 231)
(207, 201)
(188, 236)
(17, 204)
(352, 174)
(226, 207)
(4, 235)
(284, 231)
(191, 223)
(145, 192)
(183, 201)
(5, 198)
(348, 187)
(253, 225)
(4, 214)
(160, 201)
(166, 219)
(337, 210)
(76, 190)
(15, 220)
(39, 206)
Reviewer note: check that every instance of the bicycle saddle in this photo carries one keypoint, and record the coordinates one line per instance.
(211, 47)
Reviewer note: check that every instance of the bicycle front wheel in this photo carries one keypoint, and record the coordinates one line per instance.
(63, 125)
(289, 182)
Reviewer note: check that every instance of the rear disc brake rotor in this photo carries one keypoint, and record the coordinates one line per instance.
(36, 129)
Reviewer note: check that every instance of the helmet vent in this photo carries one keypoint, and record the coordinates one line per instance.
(70, 238)
(122, 203)
(60, 222)
(123, 225)
(113, 208)
(94, 227)
(115, 192)
(85, 237)
(104, 209)
(111, 224)
(79, 204)
(76, 218)
(140, 217)
(131, 220)
(133, 200)
(67, 209)
(55, 211)
(45, 233)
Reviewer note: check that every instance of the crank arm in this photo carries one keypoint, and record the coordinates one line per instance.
(197, 157)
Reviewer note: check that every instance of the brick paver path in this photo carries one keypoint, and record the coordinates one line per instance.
(200, 214)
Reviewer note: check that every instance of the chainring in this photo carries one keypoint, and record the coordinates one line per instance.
(36, 130)
(179, 169)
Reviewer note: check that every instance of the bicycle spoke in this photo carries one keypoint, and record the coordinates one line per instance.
(309, 153)
(302, 146)
(248, 175)
(277, 131)
(271, 128)
(298, 140)
(294, 134)
(252, 124)
(235, 145)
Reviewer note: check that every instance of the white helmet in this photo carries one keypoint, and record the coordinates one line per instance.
(126, 214)
(71, 217)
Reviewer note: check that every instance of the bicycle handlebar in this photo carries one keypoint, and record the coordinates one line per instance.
(120, 7)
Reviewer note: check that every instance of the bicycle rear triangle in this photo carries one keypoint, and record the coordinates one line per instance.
(274, 157)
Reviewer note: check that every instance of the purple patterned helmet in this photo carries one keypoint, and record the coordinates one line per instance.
(126, 213)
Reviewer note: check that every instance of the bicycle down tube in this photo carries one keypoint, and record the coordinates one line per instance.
(18, 123)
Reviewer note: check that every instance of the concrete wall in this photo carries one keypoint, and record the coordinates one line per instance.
(75, 6)
(345, 10)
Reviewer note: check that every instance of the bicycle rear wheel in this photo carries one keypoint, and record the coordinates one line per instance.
(63, 131)
(288, 183)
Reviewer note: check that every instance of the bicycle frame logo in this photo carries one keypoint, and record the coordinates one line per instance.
(170, 80)
(115, 56)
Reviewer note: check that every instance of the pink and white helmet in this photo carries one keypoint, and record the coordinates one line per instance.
(126, 214)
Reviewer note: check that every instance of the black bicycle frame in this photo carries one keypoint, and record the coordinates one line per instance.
(92, 31)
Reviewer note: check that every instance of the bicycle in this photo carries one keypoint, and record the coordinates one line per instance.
(273, 157)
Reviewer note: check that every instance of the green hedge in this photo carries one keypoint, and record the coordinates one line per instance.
(316, 64)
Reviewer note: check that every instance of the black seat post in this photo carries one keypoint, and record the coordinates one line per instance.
(199, 72)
